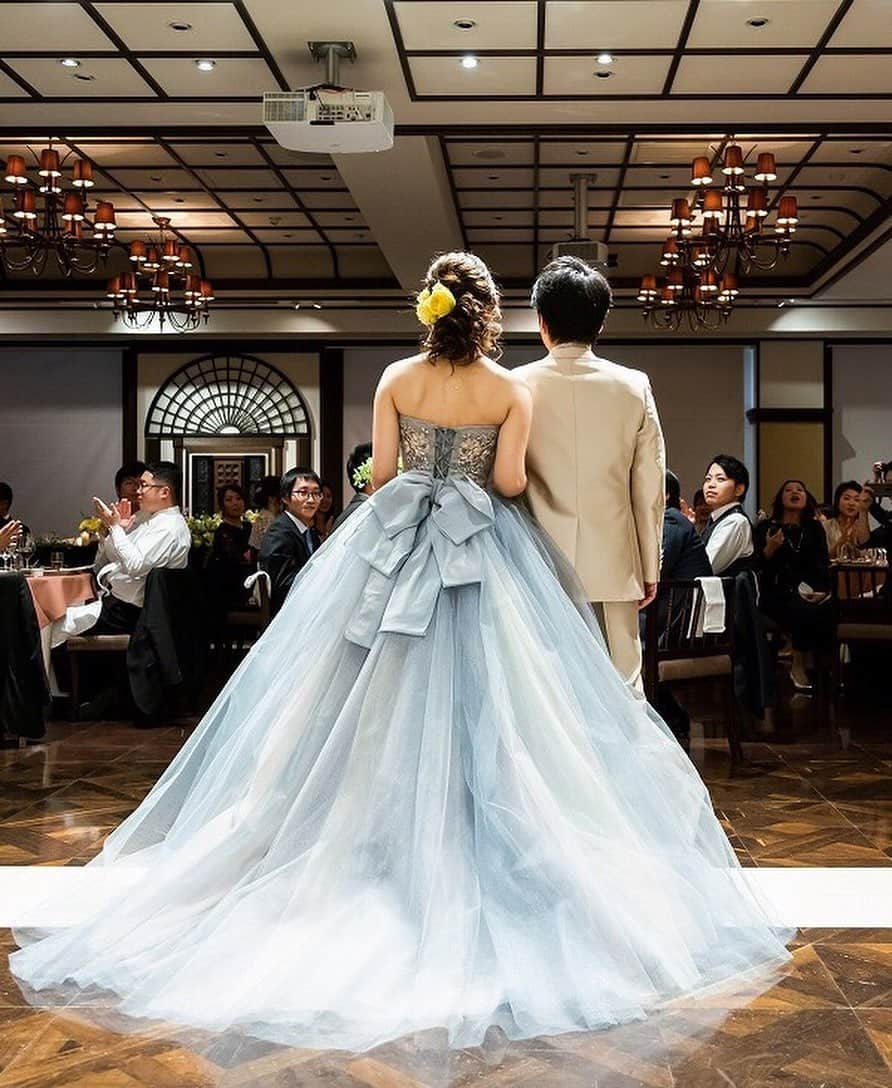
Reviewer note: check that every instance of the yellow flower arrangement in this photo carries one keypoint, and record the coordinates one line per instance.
(434, 303)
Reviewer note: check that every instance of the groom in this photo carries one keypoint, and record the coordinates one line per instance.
(595, 460)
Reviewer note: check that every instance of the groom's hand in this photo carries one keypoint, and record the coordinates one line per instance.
(650, 593)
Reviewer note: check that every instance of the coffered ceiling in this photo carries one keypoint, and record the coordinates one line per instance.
(484, 155)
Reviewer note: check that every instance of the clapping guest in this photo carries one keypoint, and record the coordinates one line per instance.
(162, 539)
(231, 558)
(325, 515)
(5, 506)
(268, 506)
(848, 525)
(728, 535)
(292, 538)
(794, 575)
(360, 479)
(127, 480)
(9, 532)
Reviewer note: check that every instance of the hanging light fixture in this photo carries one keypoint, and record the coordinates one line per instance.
(160, 284)
(733, 234)
(46, 220)
(696, 298)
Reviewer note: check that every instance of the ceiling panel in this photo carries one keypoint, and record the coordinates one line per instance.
(563, 219)
(10, 89)
(494, 198)
(519, 152)
(240, 76)
(494, 177)
(281, 220)
(126, 153)
(570, 76)
(201, 235)
(493, 76)
(867, 24)
(51, 27)
(145, 26)
(431, 25)
(723, 24)
(220, 153)
(176, 200)
(549, 177)
(112, 77)
(737, 74)
(860, 75)
(271, 236)
(218, 177)
(584, 152)
(614, 24)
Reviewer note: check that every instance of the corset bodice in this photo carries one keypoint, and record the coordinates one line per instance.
(448, 451)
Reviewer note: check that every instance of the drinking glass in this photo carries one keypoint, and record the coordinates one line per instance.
(27, 547)
(57, 560)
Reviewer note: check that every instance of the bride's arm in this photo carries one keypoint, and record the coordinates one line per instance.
(385, 432)
(509, 474)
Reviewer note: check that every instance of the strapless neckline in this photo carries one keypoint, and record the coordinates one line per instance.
(444, 427)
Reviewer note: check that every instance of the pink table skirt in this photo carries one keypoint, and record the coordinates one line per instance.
(53, 593)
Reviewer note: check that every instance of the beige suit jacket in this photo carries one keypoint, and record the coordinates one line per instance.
(596, 469)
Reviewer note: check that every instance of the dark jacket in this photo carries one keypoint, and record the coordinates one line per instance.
(24, 698)
(802, 557)
(684, 553)
(283, 553)
(358, 499)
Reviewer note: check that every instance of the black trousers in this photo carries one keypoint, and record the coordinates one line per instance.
(116, 618)
(811, 626)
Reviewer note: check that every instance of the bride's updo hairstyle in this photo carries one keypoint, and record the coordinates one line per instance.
(472, 327)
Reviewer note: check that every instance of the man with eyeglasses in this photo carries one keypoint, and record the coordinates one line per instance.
(160, 539)
(291, 539)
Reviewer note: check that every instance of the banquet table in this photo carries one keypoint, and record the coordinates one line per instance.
(52, 593)
(24, 699)
(858, 579)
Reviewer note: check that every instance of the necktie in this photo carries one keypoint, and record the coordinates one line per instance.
(312, 540)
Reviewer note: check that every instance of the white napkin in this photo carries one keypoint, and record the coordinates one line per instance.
(711, 620)
(251, 582)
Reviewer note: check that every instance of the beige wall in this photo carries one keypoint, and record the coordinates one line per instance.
(791, 374)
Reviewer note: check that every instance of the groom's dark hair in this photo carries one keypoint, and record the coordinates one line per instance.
(572, 298)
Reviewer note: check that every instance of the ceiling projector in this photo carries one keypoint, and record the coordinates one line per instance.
(328, 118)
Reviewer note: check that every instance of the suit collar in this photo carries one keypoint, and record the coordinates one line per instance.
(297, 523)
(569, 356)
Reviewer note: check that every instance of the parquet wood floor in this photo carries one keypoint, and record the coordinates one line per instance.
(826, 800)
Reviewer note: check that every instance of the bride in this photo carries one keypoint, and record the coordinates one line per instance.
(437, 805)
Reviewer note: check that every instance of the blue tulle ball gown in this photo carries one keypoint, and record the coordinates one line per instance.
(424, 800)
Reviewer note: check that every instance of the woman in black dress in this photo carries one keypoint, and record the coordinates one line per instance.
(231, 558)
(794, 575)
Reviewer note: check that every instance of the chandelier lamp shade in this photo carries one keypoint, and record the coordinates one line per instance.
(727, 218)
(698, 300)
(43, 220)
(161, 285)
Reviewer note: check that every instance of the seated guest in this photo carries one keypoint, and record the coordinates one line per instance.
(700, 511)
(848, 524)
(325, 515)
(362, 484)
(268, 507)
(127, 480)
(291, 539)
(684, 559)
(162, 539)
(6, 505)
(794, 575)
(231, 558)
(728, 535)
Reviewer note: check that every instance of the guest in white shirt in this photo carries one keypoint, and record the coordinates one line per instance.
(728, 534)
(127, 483)
(161, 539)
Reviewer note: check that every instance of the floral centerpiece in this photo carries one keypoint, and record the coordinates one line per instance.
(204, 526)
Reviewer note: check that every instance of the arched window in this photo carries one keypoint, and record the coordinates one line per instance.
(218, 395)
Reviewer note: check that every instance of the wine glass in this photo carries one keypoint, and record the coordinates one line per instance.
(27, 547)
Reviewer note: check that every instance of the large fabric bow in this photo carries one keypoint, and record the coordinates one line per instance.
(419, 537)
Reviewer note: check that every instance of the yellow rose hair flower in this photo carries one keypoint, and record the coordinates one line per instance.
(434, 303)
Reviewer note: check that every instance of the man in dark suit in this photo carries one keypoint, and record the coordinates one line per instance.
(684, 558)
(291, 539)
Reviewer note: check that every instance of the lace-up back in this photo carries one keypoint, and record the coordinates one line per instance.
(449, 451)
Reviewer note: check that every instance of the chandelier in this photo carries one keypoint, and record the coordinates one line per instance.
(161, 273)
(46, 220)
(734, 234)
(693, 297)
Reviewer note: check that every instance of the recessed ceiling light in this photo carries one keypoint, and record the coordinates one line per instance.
(180, 26)
(757, 22)
(205, 64)
(83, 77)
(317, 305)
(856, 150)
(70, 62)
(325, 177)
(815, 196)
(258, 199)
(154, 177)
(498, 218)
(493, 177)
(605, 58)
(469, 61)
(179, 200)
(464, 24)
(358, 234)
(490, 153)
(665, 177)
(603, 75)
(220, 154)
(297, 305)
(581, 151)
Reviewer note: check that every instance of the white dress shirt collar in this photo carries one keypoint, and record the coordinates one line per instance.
(719, 510)
(301, 525)
(571, 350)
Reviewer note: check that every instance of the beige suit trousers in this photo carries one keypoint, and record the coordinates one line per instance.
(619, 622)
